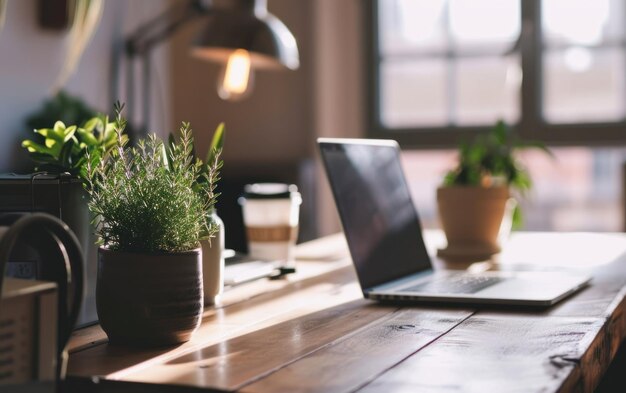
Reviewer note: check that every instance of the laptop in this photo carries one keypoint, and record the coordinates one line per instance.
(384, 236)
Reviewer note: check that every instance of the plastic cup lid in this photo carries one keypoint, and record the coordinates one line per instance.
(269, 191)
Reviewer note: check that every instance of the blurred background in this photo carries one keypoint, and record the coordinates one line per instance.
(429, 73)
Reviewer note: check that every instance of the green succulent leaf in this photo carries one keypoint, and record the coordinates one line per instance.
(59, 127)
(34, 147)
(91, 124)
(87, 137)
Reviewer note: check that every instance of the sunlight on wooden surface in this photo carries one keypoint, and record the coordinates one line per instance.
(576, 250)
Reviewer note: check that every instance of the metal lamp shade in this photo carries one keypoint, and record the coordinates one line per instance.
(269, 42)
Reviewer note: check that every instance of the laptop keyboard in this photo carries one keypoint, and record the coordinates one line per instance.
(461, 283)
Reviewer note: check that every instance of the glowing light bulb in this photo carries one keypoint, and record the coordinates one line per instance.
(237, 78)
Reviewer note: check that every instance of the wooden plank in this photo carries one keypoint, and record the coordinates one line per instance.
(349, 363)
(592, 366)
(233, 363)
(495, 352)
(566, 347)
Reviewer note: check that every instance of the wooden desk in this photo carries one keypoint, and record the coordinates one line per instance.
(314, 332)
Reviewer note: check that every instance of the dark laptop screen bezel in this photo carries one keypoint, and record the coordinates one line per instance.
(409, 257)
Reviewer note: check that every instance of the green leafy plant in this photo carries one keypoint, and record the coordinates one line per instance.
(65, 148)
(490, 160)
(149, 198)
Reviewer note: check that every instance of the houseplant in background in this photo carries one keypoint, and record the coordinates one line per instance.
(59, 153)
(64, 107)
(151, 213)
(476, 204)
(64, 149)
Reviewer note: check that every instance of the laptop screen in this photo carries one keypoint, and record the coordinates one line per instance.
(378, 216)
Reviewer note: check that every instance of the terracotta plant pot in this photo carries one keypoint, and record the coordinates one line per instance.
(472, 219)
(149, 299)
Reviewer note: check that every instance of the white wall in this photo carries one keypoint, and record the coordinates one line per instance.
(340, 94)
(31, 58)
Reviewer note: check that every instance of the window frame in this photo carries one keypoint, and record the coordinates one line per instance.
(531, 124)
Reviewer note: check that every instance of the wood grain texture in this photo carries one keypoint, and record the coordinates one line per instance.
(314, 332)
(495, 353)
(601, 297)
(233, 363)
(349, 363)
(591, 366)
(291, 301)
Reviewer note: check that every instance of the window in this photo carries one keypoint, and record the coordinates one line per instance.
(446, 69)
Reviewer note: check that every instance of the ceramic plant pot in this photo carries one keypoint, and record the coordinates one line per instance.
(472, 219)
(213, 264)
(149, 299)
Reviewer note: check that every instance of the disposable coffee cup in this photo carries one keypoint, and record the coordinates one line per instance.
(270, 215)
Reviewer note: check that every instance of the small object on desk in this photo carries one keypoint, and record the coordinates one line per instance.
(270, 212)
(28, 316)
(37, 318)
(241, 268)
(213, 262)
(281, 272)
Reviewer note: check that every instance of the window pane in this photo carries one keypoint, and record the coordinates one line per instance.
(481, 23)
(583, 85)
(442, 62)
(582, 22)
(413, 93)
(411, 26)
(577, 191)
(487, 90)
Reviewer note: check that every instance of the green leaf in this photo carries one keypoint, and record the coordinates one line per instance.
(87, 137)
(91, 124)
(59, 127)
(69, 133)
(50, 133)
(500, 132)
(34, 147)
(217, 144)
(164, 157)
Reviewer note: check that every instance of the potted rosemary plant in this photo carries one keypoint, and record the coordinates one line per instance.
(476, 203)
(151, 214)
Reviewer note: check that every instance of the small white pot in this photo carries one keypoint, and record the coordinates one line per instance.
(213, 264)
